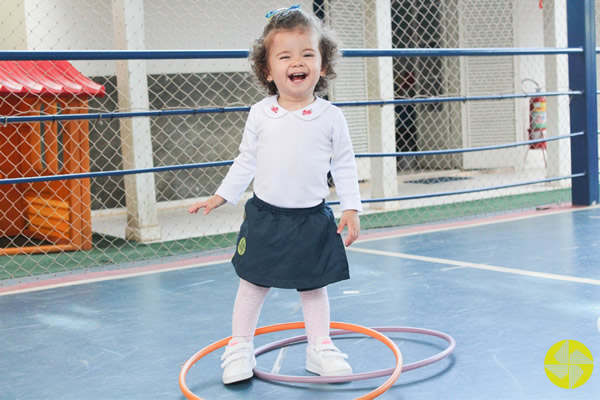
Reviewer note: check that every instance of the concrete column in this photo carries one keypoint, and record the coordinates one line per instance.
(382, 131)
(555, 35)
(136, 144)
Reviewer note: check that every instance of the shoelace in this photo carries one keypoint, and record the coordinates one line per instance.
(233, 353)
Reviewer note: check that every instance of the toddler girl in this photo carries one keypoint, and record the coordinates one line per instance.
(289, 238)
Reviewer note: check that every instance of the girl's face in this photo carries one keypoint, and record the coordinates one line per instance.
(294, 64)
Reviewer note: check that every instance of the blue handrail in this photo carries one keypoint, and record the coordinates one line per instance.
(14, 55)
(84, 175)
(6, 119)
(466, 191)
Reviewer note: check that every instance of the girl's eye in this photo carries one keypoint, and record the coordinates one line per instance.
(284, 57)
(309, 55)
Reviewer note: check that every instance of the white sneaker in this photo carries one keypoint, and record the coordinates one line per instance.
(238, 361)
(325, 359)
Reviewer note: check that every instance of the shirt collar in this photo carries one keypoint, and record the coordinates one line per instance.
(272, 108)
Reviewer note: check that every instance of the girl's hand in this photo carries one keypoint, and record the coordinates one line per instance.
(350, 219)
(208, 205)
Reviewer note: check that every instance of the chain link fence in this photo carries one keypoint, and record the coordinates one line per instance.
(118, 221)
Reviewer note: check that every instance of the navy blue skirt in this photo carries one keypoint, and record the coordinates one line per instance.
(293, 248)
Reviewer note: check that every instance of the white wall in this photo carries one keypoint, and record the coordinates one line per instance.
(71, 25)
(224, 24)
(186, 24)
(529, 32)
(12, 26)
(529, 19)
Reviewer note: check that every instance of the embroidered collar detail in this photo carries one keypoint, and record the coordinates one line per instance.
(273, 110)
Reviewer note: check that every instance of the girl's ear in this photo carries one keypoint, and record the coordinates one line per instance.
(268, 76)
(323, 71)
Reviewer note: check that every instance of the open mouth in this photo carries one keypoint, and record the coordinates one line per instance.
(297, 77)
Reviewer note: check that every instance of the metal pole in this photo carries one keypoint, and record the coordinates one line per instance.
(581, 32)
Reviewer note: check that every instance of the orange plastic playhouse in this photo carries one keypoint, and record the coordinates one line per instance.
(44, 216)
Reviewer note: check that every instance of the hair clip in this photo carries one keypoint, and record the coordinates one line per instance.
(273, 12)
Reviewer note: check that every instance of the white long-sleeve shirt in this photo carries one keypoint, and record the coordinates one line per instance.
(289, 153)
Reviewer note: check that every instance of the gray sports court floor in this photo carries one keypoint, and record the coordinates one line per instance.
(506, 289)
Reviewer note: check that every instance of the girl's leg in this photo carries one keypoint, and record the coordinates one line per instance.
(315, 307)
(322, 357)
(246, 310)
(238, 359)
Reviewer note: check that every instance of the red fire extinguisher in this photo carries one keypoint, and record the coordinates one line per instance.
(537, 121)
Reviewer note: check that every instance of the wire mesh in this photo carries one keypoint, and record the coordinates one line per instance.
(112, 222)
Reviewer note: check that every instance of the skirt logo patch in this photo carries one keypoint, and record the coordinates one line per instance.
(241, 246)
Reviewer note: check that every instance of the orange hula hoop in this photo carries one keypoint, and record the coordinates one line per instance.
(300, 325)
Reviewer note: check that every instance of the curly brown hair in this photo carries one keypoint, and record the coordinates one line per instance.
(290, 20)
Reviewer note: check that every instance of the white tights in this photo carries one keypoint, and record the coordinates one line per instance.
(249, 302)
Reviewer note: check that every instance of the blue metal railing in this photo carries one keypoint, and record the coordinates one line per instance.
(466, 191)
(581, 32)
(215, 110)
(576, 18)
(84, 175)
(13, 55)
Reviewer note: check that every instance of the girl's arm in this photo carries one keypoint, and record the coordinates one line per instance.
(209, 205)
(343, 166)
(350, 219)
(345, 176)
(239, 176)
(242, 171)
